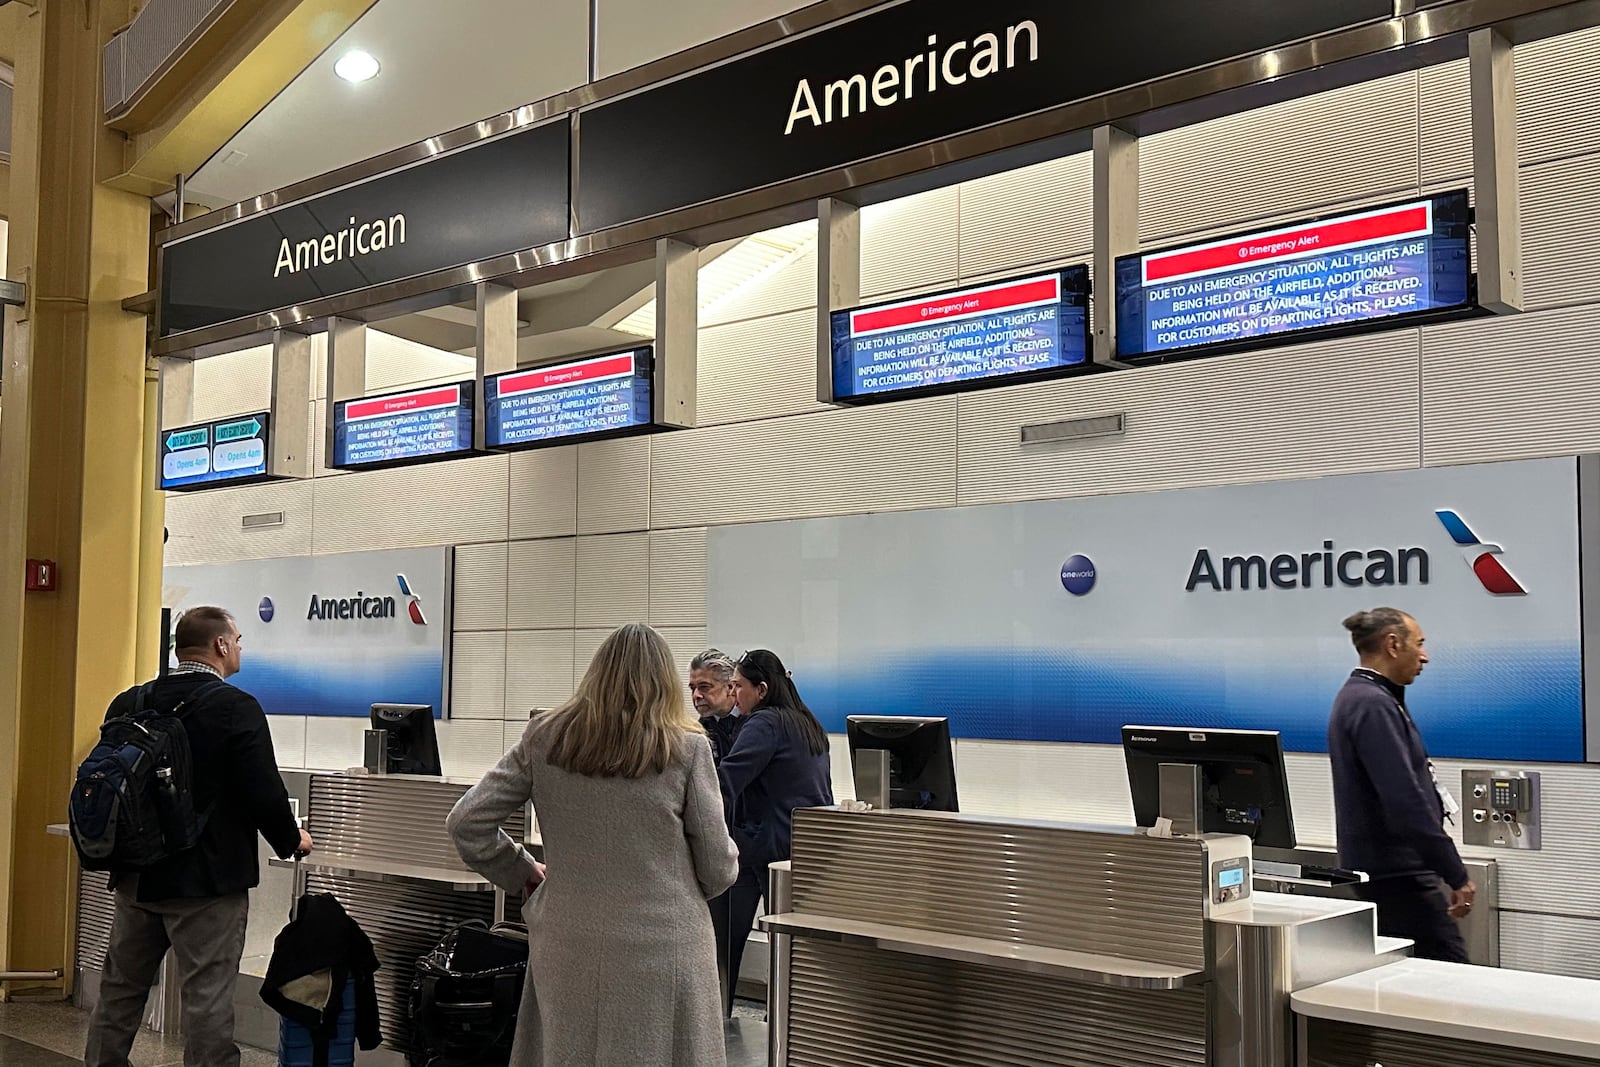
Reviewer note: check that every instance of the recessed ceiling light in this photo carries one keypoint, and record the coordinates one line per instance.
(356, 66)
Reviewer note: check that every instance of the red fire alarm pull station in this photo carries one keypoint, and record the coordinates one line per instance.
(41, 576)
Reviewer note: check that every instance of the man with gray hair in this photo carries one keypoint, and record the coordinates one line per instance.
(1389, 805)
(711, 689)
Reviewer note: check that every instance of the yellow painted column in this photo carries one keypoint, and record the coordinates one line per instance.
(71, 461)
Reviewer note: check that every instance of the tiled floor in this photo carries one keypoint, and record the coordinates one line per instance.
(51, 1033)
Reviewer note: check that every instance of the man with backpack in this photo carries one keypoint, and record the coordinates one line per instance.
(208, 786)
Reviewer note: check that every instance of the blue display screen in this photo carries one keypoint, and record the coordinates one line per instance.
(1372, 266)
(207, 455)
(1230, 878)
(411, 427)
(584, 398)
(1033, 326)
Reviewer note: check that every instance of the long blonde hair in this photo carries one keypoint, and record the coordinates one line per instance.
(629, 713)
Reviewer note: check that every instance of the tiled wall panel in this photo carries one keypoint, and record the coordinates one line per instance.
(543, 584)
(614, 485)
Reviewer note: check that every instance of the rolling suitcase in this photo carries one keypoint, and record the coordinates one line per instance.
(296, 1047)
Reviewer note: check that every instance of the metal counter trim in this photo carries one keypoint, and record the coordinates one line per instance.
(367, 870)
(1082, 967)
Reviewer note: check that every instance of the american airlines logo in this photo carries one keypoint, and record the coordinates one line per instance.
(1481, 556)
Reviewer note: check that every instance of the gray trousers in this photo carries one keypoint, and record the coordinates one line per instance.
(207, 940)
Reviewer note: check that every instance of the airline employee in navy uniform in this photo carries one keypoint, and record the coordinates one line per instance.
(779, 763)
(1389, 804)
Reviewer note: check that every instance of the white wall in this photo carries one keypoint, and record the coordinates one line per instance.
(565, 543)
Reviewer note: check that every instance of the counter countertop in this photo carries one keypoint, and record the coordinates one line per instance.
(1284, 909)
(1518, 1009)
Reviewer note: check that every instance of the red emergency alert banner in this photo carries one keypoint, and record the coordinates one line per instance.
(1029, 292)
(593, 370)
(447, 396)
(1331, 235)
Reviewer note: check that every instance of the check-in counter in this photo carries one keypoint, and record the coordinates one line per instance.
(1421, 1013)
(928, 938)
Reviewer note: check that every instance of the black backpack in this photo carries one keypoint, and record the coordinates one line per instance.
(131, 803)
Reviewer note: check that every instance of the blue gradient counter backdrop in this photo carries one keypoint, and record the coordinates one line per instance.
(332, 635)
(1062, 620)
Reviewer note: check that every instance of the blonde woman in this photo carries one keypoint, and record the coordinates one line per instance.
(622, 968)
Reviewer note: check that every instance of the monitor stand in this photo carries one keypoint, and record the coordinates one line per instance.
(1180, 798)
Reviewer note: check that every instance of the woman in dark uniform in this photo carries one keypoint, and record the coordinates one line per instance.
(779, 763)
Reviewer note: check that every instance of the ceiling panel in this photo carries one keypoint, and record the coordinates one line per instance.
(444, 65)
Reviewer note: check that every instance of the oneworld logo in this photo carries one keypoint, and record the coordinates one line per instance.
(1078, 575)
(266, 609)
(413, 601)
(1480, 556)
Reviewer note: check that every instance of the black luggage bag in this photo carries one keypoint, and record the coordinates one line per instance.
(465, 996)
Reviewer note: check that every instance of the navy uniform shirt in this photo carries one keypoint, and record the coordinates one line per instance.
(770, 772)
(1390, 817)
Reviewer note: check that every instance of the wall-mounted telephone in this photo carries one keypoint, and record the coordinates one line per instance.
(1502, 809)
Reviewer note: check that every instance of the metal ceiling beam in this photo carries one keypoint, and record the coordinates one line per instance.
(219, 82)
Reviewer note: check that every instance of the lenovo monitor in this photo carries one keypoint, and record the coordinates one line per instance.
(1244, 788)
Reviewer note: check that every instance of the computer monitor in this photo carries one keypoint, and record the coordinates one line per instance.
(413, 747)
(1243, 786)
(922, 767)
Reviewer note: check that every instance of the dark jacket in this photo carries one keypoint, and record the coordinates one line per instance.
(769, 773)
(236, 787)
(313, 958)
(1390, 818)
(723, 731)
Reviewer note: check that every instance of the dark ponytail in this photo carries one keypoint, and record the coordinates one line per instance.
(783, 699)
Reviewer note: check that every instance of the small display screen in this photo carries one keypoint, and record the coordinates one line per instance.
(1230, 878)
(1372, 266)
(1033, 327)
(411, 427)
(226, 452)
(598, 396)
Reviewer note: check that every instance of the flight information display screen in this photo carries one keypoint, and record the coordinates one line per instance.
(213, 454)
(985, 335)
(1376, 267)
(399, 428)
(597, 396)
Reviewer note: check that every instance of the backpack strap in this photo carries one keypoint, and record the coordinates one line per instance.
(141, 694)
(196, 696)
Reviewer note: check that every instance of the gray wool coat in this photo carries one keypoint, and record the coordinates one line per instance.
(622, 968)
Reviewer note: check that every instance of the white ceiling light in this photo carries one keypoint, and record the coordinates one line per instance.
(356, 66)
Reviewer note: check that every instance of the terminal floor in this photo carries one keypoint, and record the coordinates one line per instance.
(51, 1033)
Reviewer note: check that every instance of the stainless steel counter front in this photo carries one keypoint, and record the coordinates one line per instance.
(948, 940)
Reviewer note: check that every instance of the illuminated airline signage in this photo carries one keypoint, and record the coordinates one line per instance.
(1366, 269)
(1020, 329)
(400, 428)
(208, 455)
(598, 396)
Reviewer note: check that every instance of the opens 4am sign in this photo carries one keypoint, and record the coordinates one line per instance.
(1364, 267)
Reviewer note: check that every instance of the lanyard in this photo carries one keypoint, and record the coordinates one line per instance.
(1447, 801)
